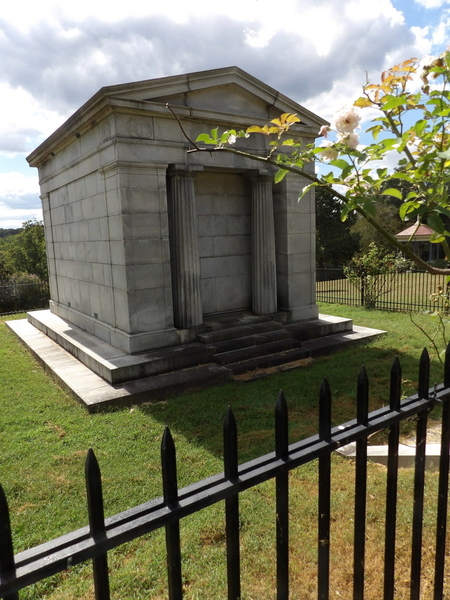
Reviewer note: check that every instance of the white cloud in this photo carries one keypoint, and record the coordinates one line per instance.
(25, 122)
(13, 185)
(55, 55)
(19, 199)
(13, 218)
(432, 3)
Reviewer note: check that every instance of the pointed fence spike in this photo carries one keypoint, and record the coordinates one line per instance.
(281, 426)
(169, 468)
(396, 385)
(424, 374)
(94, 494)
(362, 397)
(325, 410)
(230, 453)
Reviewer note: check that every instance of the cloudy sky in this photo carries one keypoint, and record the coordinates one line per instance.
(56, 54)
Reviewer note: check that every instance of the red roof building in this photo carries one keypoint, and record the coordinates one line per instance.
(419, 238)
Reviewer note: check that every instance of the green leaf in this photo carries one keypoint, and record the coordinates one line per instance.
(369, 207)
(328, 177)
(346, 172)
(393, 192)
(437, 238)
(393, 102)
(407, 208)
(436, 224)
(305, 190)
(388, 142)
(280, 175)
(445, 154)
(442, 210)
(411, 195)
(204, 137)
(345, 212)
(403, 176)
(339, 163)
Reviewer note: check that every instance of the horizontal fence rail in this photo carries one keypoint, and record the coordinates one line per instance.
(103, 534)
(410, 291)
(19, 297)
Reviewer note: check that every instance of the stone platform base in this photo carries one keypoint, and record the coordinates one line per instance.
(406, 455)
(100, 375)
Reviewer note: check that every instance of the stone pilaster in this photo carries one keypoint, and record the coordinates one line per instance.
(264, 281)
(185, 261)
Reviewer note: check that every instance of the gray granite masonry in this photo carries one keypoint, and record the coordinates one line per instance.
(145, 239)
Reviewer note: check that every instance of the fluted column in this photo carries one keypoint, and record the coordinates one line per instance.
(184, 249)
(264, 281)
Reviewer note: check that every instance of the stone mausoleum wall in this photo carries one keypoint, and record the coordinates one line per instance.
(145, 239)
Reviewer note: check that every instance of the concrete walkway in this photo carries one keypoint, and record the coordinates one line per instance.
(406, 451)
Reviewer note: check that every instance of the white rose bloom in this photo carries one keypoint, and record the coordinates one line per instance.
(347, 120)
(349, 139)
(329, 152)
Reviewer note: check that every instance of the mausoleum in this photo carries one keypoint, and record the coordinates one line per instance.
(150, 245)
(145, 239)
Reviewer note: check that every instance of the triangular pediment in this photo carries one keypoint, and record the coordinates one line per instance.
(230, 90)
(229, 96)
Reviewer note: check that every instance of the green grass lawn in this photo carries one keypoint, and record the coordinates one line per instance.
(45, 435)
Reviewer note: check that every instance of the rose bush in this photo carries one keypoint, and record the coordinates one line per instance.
(409, 109)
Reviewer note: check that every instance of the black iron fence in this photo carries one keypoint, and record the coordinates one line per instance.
(408, 291)
(101, 535)
(19, 297)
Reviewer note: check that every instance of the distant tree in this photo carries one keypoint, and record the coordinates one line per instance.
(24, 253)
(8, 232)
(336, 243)
(387, 216)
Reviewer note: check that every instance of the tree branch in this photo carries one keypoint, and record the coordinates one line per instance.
(297, 171)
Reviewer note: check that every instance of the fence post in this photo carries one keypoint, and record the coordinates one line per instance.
(282, 498)
(391, 488)
(359, 548)
(230, 459)
(363, 289)
(419, 478)
(97, 524)
(442, 508)
(7, 565)
(324, 494)
(170, 492)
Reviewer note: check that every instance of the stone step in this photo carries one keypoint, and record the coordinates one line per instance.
(260, 328)
(273, 336)
(224, 334)
(250, 352)
(96, 392)
(232, 333)
(226, 321)
(332, 343)
(112, 364)
(269, 360)
(251, 340)
(318, 328)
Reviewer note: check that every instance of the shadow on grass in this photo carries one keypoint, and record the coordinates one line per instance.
(199, 416)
